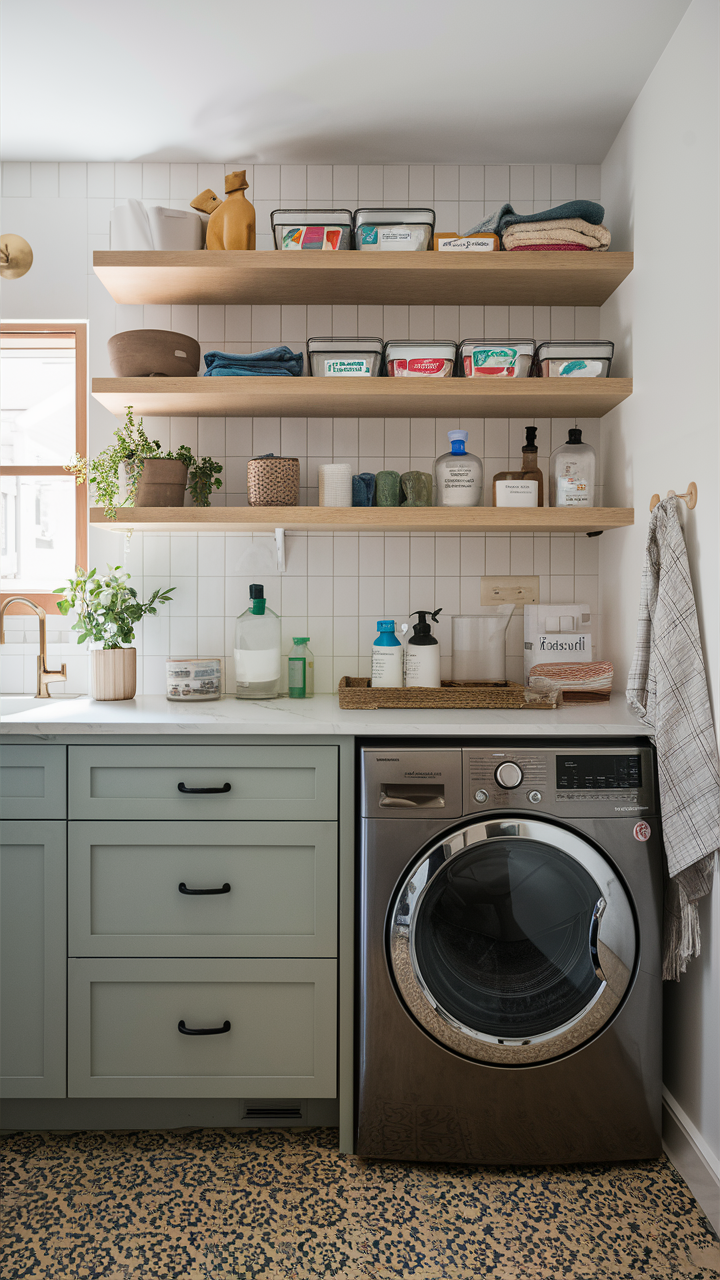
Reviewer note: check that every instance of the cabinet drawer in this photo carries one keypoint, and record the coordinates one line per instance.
(125, 899)
(125, 1042)
(32, 782)
(239, 782)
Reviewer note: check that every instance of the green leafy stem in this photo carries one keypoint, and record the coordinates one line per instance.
(108, 608)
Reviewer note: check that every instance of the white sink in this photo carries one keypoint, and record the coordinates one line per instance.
(12, 703)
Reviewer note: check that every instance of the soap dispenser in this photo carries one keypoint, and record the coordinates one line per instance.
(257, 648)
(422, 664)
(572, 472)
(521, 488)
(458, 475)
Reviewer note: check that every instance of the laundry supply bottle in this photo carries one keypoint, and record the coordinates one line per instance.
(572, 472)
(458, 475)
(386, 671)
(257, 648)
(301, 669)
(422, 660)
(521, 488)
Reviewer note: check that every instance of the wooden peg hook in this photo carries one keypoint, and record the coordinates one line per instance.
(690, 497)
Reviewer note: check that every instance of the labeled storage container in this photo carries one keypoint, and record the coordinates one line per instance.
(590, 359)
(312, 228)
(484, 359)
(344, 357)
(420, 359)
(394, 229)
(193, 679)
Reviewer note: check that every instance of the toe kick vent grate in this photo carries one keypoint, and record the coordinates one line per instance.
(266, 1111)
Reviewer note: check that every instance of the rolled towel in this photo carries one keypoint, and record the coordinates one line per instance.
(276, 362)
(506, 216)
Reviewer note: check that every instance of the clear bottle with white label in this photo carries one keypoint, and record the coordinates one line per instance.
(521, 488)
(257, 649)
(458, 475)
(572, 473)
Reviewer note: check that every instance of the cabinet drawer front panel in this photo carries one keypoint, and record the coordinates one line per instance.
(125, 900)
(263, 782)
(32, 782)
(124, 1015)
(32, 959)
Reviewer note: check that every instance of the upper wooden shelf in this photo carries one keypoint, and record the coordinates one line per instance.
(363, 519)
(363, 397)
(434, 279)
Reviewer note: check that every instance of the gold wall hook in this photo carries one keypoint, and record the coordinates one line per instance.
(16, 256)
(690, 497)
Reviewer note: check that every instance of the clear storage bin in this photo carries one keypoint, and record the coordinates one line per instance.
(420, 359)
(312, 228)
(590, 359)
(510, 359)
(395, 229)
(344, 357)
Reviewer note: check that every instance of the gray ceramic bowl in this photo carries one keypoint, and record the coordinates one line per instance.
(153, 353)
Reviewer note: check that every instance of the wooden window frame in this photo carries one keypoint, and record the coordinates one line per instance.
(48, 600)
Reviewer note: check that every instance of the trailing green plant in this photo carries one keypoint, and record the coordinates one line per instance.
(203, 476)
(108, 608)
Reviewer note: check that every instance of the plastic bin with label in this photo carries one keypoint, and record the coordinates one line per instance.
(394, 229)
(312, 228)
(344, 357)
(588, 359)
(420, 359)
(510, 358)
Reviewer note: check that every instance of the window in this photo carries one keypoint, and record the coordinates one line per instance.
(43, 422)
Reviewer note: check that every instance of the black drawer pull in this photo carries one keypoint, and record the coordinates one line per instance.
(203, 791)
(203, 1031)
(199, 893)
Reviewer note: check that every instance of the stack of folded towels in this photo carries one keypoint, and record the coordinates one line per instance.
(276, 362)
(576, 225)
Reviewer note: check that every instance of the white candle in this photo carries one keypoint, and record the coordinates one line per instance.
(335, 484)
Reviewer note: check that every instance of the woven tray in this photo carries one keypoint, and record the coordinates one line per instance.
(356, 694)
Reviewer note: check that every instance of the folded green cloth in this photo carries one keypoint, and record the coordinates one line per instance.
(276, 362)
(505, 217)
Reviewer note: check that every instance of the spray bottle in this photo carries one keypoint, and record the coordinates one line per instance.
(422, 666)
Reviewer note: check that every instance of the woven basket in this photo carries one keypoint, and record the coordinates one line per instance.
(273, 482)
(356, 694)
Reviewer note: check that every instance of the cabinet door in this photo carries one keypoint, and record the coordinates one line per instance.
(32, 959)
(32, 782)
(198, 782)
(272, 1024)
(202, 888)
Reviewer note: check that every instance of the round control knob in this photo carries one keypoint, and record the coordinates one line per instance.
(534, 796)
(508, 775)
(481, 796)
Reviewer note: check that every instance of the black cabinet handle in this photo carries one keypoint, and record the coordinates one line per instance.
(198, 893)
(203, 1031)
(203, 791)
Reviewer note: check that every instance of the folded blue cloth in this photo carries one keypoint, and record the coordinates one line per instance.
(505, 217)
(276, 362)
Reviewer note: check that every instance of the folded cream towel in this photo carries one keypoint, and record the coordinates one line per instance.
(532, 235)
(599, 233)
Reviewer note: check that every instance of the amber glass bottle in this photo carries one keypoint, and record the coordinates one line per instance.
(521, 488)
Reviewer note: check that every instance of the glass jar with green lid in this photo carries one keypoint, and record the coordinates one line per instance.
(301, 669)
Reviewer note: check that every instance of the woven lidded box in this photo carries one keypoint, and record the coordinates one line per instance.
(273, 482)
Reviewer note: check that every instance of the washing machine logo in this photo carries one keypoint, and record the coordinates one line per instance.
(642, 831)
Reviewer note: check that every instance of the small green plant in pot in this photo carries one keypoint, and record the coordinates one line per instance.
(108, 611)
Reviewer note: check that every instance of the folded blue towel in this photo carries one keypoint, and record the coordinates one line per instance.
(590, 210)
(277, 362)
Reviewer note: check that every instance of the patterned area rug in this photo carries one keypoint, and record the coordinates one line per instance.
(270, 1204)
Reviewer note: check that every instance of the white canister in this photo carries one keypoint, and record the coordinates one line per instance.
(335, 484)
(193, 679)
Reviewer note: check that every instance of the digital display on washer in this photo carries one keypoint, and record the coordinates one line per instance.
(598, 773)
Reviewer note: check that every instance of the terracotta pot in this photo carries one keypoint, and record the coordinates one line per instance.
(113, 674)
(153, 353)
(162, 483)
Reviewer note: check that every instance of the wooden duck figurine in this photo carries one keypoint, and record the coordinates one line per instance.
(232, 221)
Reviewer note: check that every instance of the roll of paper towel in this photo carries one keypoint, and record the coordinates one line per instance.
(335, 484)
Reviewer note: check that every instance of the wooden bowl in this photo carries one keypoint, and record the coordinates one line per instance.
(153, 353)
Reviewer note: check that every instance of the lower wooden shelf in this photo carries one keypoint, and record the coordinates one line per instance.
(365, 519)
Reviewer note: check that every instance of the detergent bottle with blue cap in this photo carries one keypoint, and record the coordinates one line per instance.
(458, 475)
(386, 671)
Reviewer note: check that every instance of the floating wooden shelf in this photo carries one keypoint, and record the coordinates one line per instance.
(360, 397)
(364, 519)
(433, 279)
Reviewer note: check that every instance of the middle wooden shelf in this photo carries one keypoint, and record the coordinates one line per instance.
(363, 397)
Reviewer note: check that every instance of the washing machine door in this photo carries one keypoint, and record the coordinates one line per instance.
(512, 941)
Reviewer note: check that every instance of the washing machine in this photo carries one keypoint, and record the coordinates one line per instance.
(509, 953)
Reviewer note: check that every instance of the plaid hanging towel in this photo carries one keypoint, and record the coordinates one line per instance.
(667, 689)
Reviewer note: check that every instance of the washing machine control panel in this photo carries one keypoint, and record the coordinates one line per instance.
(582, 782)
(508, 775)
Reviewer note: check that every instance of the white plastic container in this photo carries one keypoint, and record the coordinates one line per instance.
(394, 229)
(133, 227)
(312, 228)
(572, 472)
(193, 679)
(344, 357)
(479, 643)
(511, 359)
(589, 359)
(458, 475)
(257, 649)
(429, 359)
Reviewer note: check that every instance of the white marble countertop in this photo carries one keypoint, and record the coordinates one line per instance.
(320, 715)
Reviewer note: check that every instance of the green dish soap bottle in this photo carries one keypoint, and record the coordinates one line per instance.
(301, 669)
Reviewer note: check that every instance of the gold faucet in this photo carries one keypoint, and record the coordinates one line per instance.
(44, 676)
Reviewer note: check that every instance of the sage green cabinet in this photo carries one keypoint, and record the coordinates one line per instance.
(32, 782)
(32, 958)
(248, 783)
(125, 1041)
(277, 882)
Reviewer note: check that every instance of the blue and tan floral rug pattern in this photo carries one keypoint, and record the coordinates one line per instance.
(270, 1204)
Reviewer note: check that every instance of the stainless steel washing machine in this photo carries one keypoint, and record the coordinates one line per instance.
(509, 970)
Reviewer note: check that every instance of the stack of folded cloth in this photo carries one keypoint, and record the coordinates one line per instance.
(576, 225)
(276, 362)
(579, 681)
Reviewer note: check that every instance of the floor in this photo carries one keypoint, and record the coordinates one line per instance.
(270, 1204)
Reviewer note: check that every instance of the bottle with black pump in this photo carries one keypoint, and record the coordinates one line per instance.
(521, 488)
(422, 661)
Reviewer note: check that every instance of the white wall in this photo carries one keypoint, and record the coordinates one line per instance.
(336, 587)
(660, 189)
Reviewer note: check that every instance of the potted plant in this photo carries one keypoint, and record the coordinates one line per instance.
(108, 610)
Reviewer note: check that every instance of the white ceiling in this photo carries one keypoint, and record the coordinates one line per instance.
(359, 81)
